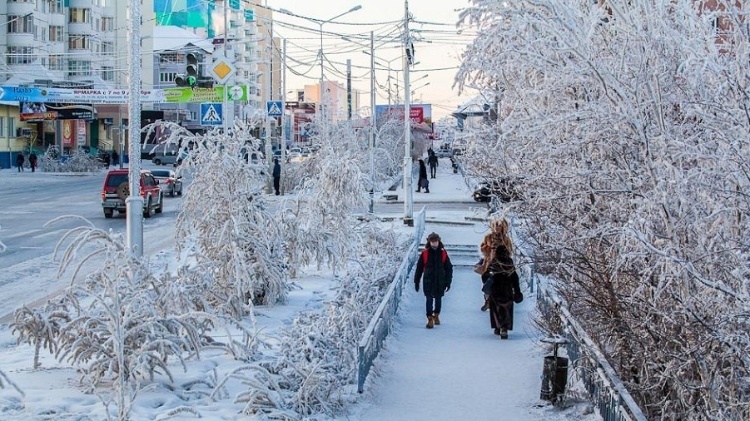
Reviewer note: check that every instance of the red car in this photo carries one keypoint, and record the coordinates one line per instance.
(117, 188)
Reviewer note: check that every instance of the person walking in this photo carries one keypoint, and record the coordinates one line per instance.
(32, 161)
(115, 157)
(19, 161)
(498, 235)
(432, 160)
(503, 289)
(276, 175)
(435, 270)
(423, 182)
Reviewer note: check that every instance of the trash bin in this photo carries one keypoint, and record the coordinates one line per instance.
(554, 372)
(554, 377)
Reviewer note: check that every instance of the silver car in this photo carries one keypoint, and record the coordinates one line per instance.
(169, 182)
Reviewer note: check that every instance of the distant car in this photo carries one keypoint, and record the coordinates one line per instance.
(170, 183)
(295, 156)
(505, 189)
(170, 158)
(116, 190)
(444, 153)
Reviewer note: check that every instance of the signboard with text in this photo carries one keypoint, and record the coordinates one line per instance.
(39, 111)
(119, 96)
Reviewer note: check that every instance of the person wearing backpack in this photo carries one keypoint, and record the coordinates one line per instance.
(435, 270)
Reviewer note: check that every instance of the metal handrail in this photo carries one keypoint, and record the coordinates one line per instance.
(382, 321)
(614, 401)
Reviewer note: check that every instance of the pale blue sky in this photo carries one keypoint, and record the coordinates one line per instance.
(437, 55)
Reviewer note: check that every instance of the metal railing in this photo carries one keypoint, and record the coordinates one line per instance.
(607, 391)
(382, 321)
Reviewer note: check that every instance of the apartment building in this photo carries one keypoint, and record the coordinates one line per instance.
(85, 43)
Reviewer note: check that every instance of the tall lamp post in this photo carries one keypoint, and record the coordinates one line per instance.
(320, 23)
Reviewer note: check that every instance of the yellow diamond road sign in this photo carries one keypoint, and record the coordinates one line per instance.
(222, 69)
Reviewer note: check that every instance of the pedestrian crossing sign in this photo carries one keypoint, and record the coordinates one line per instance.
(211, 114)
(274, 108)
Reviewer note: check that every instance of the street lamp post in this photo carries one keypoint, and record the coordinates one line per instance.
(320, 51)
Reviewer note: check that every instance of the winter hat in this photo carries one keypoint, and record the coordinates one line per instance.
(433, 236)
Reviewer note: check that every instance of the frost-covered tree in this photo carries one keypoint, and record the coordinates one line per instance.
(628, 123)
(225, 223)
(319, 226)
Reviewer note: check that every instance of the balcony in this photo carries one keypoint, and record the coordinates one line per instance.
(80, 28)
(20, 9)
(21, 40)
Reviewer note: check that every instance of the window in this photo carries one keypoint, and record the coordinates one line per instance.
(11, 125)
(56, 33)
(20, 24)
(79, 68)
(80, 15)
(2, 126)
(172, 58)
(55, 62)
(79, 42)
(108, 73)
(44, 34)
(166, 77)
(108, 47)
(56, 6)
(20, 55)
(108, 24)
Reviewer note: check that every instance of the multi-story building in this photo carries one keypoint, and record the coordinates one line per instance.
(85, 43)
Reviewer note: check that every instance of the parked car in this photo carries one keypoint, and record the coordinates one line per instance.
(116, 189)
(173, 158)
(169, 182)
(444, 152)
(505, 189)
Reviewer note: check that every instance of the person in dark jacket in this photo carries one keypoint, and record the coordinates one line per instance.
(437, 269)
(32, 161)
(501, 284)
(432, 160)
(19, 161)
(276, 175)
(423, 182)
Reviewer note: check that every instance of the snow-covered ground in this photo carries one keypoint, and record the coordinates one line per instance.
(459, 370)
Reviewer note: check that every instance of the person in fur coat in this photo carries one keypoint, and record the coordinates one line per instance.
(503, 289)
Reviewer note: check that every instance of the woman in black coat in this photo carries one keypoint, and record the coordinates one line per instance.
(423, 181)
(501, 283)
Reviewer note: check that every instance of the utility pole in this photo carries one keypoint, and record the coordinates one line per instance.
(225, 96)
(408, 57)
(134, 203)
(348, 89)
(373, 122)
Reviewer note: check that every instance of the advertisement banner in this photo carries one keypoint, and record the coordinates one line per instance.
(67, 133)
(39, 111)
(120, 96)
(81, 132)
(418, 113)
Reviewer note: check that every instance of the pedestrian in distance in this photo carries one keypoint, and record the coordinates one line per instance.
(498, 235)
(19, 161)
(432, 160)
(107, 159)
(423, 182)
(276, 175)
(435, 271)
(502, 286)
(32, 161)
(115, 158)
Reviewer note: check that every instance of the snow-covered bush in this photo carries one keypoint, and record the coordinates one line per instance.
(120, 324)
(225, 223)
(77, 161)
(628, 124)
(318, 359)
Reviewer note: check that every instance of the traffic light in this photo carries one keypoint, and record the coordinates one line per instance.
(191, 77)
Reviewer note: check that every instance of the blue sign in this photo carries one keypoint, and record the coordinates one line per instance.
(211, 114)
(274, 108)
